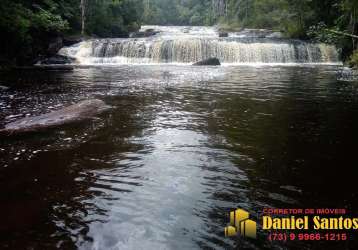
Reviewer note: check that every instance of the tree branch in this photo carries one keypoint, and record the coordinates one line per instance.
(341, 33)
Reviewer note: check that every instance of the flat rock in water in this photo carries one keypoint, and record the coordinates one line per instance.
(79, 111)
(210, 61)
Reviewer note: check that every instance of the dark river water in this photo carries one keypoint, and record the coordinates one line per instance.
(180, 148)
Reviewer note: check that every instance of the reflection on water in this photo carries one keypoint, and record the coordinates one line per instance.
(181, 147)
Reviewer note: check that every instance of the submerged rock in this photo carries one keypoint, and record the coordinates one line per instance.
(210, 61)
(77, 112)
(223, 34)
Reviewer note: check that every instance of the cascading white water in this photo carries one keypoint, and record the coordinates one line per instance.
(186, 46)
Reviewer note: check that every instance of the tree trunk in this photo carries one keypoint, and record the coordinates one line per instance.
(226, 10)
(83, 16)
(353, 16)
(247, 10)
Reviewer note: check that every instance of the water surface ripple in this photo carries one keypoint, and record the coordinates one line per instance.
(180, 148)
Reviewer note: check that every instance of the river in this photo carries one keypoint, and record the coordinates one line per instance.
(180, 148)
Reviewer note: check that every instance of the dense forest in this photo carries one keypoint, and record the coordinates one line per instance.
(29, 26)
(306, 19)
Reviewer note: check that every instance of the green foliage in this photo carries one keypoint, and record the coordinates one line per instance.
(177, 12)
(320, 33)
(353, 61)
(49, 22)
(22, 25)
(269, 14)
(108, 18)
(15, 20)
(304, 19)
(29, 25)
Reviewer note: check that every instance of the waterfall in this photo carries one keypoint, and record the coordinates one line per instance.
(190, 49)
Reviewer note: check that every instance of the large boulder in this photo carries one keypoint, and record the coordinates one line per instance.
(150, 30)
(276, 34)
(210, 61)
(71, 40)
(55, 44)
(77, 112)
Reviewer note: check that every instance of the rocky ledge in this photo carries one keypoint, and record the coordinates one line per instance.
(141, 34)
(210, 61)
(57, 59)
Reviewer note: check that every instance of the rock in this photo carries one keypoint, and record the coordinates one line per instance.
(138, 34)
(223, 34)
(77, 112)
(54, 67)
(3, 88)
(46, 67)
(210, 61)
(149, 30)
(276, 34)
(57, 59)
(54, 46)
(260, 33)
(141, 34)
(71, 40)
(347, 74)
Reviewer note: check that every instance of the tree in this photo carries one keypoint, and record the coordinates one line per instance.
(30, 25)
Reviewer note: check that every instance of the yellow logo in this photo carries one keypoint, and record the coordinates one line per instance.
(241, 224)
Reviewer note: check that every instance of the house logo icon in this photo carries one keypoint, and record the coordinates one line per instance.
(240, 224)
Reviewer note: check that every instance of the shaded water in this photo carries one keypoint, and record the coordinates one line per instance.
(180, 148)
